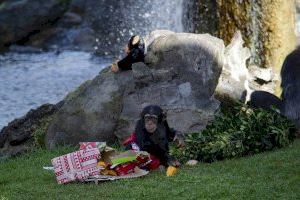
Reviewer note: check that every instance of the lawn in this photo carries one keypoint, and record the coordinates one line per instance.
(269, 175)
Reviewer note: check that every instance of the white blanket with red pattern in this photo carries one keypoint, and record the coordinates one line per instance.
(78, 165)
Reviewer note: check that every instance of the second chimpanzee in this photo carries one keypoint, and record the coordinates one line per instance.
(153, 134)
(135, 53)
(290, 75)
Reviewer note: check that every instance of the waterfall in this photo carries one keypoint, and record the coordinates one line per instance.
(255, 39)
(145, 16)
(107, 24)
(167, 15)
(134, 17)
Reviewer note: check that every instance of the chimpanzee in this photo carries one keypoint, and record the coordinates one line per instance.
(153, 134)
(135, 53)
(265, 100)
(290, 71)
(290, 75)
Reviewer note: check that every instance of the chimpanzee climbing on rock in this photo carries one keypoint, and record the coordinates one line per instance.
(135, 53)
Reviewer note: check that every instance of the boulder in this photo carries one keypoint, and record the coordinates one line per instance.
(181, 75)
(234, 81)
(264, 79)
(35, 16)
(15, 136)
(91, 112)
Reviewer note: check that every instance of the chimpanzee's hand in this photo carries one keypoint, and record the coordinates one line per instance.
(114, 67)
(173, 162)
(179, 139)
(126, 49)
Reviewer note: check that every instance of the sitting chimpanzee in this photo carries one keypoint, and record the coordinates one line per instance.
(290, 75)
(289, 105)
(135, 53)
(153, 134)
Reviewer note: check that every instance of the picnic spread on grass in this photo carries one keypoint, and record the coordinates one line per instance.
(95, 162)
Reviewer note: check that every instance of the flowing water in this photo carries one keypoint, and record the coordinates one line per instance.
(28, 80)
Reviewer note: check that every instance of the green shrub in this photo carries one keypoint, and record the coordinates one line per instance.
(40, 132)
(64, 1)
(2, 5)
(242, 131)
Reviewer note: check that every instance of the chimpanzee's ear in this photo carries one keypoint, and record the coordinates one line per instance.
(142, 114)
(164, 115)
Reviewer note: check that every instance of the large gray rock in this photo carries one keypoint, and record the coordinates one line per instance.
(15, 137)
(19, 19)
(91, 112)
(234, 81)
(181, 75)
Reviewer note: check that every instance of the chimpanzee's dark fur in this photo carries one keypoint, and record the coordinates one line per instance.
(156, 143)
(136, 54)
(265, 100)
(290, 74)
(290, 103)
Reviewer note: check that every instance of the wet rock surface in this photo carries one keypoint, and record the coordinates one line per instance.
(14, 136)
(96, 26)
(234, 81)
(15, 26)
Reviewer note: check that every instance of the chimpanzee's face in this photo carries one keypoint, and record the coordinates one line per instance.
(150, 123)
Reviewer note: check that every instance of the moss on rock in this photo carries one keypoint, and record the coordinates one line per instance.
(77, 91)
(40, 132)
(2, 5)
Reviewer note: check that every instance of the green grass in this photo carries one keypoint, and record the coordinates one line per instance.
(270, 175)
